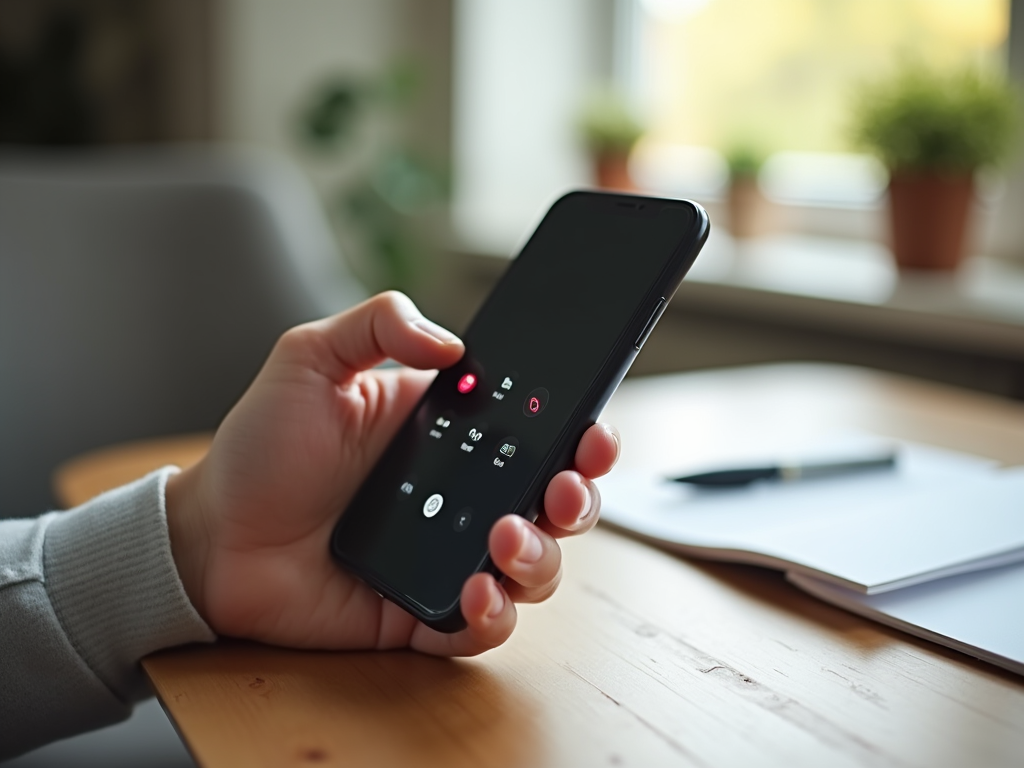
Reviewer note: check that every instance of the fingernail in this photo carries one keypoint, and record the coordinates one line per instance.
(588, 503)
(433, 329)
(617, 438)
(497, 603)
(531, 549)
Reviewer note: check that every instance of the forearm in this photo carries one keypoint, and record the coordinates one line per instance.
(84, 595)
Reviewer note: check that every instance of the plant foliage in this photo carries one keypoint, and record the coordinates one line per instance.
(921, 120)
(607, 124)
(744, 160)
(384, 200)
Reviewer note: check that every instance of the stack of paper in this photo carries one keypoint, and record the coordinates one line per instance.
(934, 547)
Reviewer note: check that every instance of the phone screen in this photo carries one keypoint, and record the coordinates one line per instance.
(476, 443)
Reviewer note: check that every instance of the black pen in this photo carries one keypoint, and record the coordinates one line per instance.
(725, 478)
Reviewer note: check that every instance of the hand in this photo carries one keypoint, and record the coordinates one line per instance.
(251, 522)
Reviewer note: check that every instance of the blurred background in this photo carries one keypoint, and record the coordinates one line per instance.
(236, 166)
(436, 133)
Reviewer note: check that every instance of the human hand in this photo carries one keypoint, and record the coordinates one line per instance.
(250, 524)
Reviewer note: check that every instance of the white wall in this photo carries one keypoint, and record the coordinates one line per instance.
(273, 53)
(521, 70)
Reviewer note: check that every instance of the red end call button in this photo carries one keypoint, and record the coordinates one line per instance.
(467, 383)
(535, 402)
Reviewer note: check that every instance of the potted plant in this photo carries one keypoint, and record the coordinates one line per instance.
(610, 131)
(933, 131)
(745, 202)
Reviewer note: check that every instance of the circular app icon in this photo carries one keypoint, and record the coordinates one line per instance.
(463, 519)
(467, 383)
(535, 402)
(433, 505)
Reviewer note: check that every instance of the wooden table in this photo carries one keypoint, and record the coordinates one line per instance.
(642, 658)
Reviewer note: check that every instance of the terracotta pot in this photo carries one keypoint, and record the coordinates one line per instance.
(930, 213)
(612, 171)
(746, 206)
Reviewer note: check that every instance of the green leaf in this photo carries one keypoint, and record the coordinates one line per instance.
(948, 122)
(607, 124)
(329, 120)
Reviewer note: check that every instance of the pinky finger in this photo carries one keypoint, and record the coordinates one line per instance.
(490, 615)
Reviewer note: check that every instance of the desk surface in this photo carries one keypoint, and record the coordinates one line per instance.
(641, 658)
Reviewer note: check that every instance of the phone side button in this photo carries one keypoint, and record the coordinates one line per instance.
(653, 321)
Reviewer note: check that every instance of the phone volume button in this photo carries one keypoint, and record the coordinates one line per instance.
(651, 322)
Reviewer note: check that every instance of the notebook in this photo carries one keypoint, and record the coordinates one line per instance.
(980, 614)
(884, 544)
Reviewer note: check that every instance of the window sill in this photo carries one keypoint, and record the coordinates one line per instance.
(853, 285)
(850, 287)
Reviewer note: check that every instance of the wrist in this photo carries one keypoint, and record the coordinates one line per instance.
(186, 527)
(112, 582)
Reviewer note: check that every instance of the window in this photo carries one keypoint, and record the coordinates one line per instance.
(705, 74)
(778, 76)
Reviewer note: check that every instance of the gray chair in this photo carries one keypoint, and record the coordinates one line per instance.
(139, 292)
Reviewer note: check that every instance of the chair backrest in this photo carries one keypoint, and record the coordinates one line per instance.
(139, 293)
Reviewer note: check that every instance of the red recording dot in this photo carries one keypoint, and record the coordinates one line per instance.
(467, 383)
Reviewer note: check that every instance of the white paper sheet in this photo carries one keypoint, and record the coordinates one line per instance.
(981, 614)
(939, 513)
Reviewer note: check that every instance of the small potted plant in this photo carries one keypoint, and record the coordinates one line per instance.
(745, 202)
(610, 131)
(933, 131)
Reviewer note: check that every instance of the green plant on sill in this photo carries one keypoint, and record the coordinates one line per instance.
(607, 125)
(744, 160)
(384, 201)
(922, 120)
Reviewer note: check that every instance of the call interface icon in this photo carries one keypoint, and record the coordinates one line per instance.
(433, 505)
(467, 383)
(504, 450)
(535, 402)
(462, 520)
(441, 422)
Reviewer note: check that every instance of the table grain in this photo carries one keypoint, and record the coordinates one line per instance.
(642, 658)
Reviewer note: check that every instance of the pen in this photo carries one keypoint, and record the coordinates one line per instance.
(726, 478)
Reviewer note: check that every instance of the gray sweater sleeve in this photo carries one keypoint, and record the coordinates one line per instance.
(84, 595)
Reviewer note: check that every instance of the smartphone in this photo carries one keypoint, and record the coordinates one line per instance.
(543, 356)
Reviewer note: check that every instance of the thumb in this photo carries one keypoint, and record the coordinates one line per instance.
(388, 325)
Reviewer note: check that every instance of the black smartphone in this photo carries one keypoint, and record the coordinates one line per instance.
(544, 354)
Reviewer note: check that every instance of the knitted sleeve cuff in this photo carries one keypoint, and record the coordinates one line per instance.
(113, 584)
